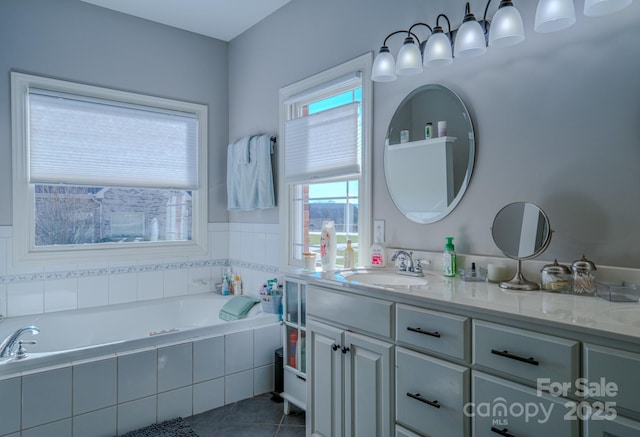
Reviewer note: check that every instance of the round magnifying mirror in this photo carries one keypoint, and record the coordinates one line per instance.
(521, 230)
(429, 153)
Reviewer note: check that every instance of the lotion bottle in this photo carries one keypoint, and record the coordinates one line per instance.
(328, 245)
(237, 285)
(449, 259)
(349, 256)
(377, 252)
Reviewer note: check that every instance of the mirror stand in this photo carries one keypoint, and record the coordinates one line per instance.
(519, 282)
(521, 230)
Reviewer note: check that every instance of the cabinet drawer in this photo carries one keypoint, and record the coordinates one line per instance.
(403, 432)
(295, 388)
(433, 331)
(355, 312)
(620, 427)
(431, 394)
(616, 367)
(525, 354)
(499, 404)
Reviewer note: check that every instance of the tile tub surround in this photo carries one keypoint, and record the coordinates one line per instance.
(117, 393)
(249, 249)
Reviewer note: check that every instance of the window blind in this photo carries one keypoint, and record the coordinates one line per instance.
(78, 141)
(322, 145)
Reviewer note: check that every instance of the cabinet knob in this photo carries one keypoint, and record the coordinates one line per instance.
(335, 347)
(345, 350)
(504, 432)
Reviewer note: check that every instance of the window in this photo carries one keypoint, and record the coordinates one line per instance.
(96, 168)
(325, 161)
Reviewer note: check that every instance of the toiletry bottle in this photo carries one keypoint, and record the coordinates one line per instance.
(449, 258)
(377, 253)
(237, 285)
(328, 245)
(349, 256)
(225, 285)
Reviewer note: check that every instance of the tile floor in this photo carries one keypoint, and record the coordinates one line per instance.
(255, 417)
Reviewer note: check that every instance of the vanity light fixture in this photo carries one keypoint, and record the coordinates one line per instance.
(506, 27)
(470, 41)
(437, 50)
(472, 37)
(554, 15)
(410, 55)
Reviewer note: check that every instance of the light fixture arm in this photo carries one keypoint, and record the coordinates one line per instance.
(414, 35)
(448, 23)
(384, 44)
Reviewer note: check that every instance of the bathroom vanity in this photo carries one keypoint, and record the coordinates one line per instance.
(447, 357)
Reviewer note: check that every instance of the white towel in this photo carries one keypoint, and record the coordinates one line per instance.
(250, 185)
(241, 151)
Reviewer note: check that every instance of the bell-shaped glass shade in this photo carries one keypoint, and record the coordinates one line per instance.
(595, 8)
(384, 66)
(470, 40)
(506, 28)
(554, 15)
(438, 49)
(409, 58)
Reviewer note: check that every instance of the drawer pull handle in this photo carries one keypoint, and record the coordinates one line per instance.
(335, 347)
(417, 397)
(506, 354)
(504, 432)
(422, 331)
(345, 350)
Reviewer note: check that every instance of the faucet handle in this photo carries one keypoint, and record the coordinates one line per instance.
(22, 352)
(418, 264)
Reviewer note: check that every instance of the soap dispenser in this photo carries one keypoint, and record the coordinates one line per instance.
(449, 258)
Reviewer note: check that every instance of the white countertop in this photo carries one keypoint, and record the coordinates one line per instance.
(575, 312)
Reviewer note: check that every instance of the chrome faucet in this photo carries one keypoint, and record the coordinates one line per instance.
(6, 348)
(411, 268)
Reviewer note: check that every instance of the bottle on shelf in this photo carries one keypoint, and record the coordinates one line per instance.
(349, 256)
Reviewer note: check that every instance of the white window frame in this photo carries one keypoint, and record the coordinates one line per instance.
(361, 64)
(24, 249)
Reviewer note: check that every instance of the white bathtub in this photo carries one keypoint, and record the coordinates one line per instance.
(107, 371)
(68, 336)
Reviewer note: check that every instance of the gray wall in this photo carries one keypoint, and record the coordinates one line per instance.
(73, 40)
(557, 117)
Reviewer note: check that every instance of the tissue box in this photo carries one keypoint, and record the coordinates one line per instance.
(618, 291)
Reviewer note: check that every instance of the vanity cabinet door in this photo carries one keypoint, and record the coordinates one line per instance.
(368, 387)
(523, 354)
(431, 394)
(324, 399)
(504, 408)
(432, 331)
(604, 365)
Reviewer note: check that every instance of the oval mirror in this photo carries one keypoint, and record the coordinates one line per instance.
(521, 230)
(427, 177)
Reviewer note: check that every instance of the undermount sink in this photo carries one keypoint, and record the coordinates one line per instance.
(383, 279)
(627, 315)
